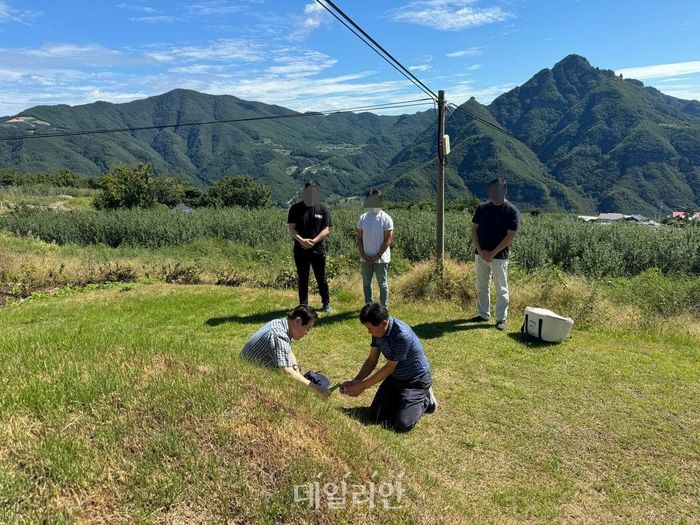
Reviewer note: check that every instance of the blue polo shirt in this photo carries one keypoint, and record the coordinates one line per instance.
(402, 344)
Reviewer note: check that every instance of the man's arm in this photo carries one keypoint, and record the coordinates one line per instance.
(475, 238)
(296, 374)
(359, 243)
(356, 387)
(503, 244)
(325, 232)
(305, 243)
(388, 239)
(369, 365)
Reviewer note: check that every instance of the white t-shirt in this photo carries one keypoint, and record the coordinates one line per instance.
(373, 228)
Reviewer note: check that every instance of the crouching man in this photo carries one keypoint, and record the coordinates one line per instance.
(405, 393)
(272, 345)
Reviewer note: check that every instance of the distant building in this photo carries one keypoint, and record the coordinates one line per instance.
(610, 217)
(684, 215)
(30, 121)
(607, 218)
(183, 208)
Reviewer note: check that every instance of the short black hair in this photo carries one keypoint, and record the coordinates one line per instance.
(500, 182)
(374, 193)
(303, 312)
(374, 313)
(312, 183)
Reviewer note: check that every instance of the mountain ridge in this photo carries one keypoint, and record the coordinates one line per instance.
(579, 138)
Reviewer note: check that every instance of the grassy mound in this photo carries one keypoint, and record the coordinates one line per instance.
(129, 404)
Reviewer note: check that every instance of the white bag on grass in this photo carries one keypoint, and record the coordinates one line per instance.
(546, 325)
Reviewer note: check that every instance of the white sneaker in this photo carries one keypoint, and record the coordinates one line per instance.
(432, 407)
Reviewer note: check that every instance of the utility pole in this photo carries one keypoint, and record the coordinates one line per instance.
(440, 252)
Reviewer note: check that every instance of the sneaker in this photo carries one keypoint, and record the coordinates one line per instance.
(501, 325)
(327, 309)
(478, 319)
(432, 407)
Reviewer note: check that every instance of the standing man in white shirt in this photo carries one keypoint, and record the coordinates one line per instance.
(375, 232)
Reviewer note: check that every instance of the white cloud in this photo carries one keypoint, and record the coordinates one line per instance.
(661, 70)
(137, 7)
(219, 7)
(679, 79)
(296, 63)
(315, 15)
(684, 92)
(269, 71)
(462, 91)
(155, 19)
(221, 50)
(421, 67)
(12, 14)
(191, 12)
(471, 52)
(448, 15)
(66, 55)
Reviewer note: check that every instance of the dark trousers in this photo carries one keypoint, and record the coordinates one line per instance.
(305, 260)
(401, 403)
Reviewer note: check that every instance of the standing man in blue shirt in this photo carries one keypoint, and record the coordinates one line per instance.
(405, 393)
(494, 225)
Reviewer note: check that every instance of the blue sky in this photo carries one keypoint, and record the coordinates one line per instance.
(294, 54)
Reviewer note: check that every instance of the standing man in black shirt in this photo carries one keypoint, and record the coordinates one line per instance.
(309, 224)
(494, 225)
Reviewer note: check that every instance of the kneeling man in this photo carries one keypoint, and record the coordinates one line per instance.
(272, 345)
(405, 393)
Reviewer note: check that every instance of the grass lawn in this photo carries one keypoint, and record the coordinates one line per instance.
(130, 404)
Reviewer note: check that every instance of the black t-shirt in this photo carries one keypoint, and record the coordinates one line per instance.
(309, 221)
(494, 223)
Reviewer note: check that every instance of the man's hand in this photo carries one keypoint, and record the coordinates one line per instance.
(486, 255)
(307, 244)
(352, 388)
(349, 383)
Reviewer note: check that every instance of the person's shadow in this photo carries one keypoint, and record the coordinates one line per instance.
(360, 414)
(266, 317)
(438, 329)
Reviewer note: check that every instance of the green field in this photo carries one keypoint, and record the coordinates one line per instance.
(129, 404)
(594, 250)
(123, 399)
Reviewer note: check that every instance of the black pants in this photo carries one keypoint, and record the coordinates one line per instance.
(401, 403)
(305, 260)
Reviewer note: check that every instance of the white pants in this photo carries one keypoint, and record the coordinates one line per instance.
(484, 270)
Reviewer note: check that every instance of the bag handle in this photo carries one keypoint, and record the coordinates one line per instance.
(522, 328)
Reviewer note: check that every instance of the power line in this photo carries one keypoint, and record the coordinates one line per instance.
(375, 46)
(486, 122)
(476, 152)
(389, 105)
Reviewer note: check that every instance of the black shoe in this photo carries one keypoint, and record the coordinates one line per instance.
(432, 407)
(477, 319)
(501, 325)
